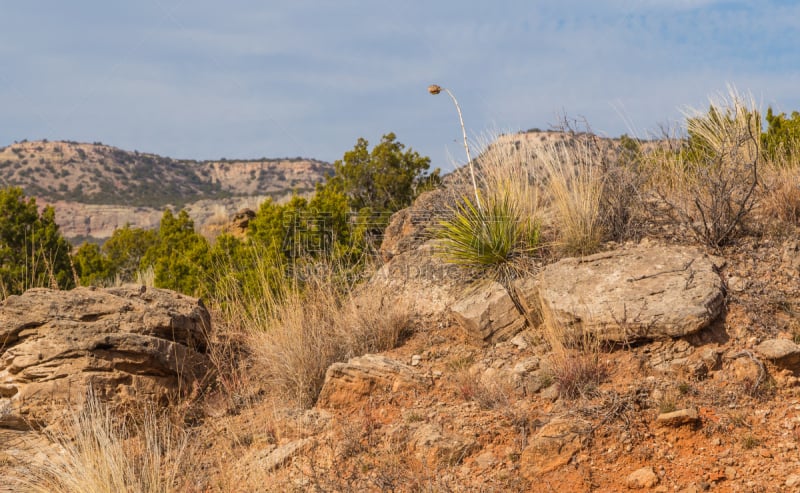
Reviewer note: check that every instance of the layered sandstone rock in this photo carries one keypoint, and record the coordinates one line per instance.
(127, 343)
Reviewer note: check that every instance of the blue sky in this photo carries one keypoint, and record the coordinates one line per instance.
(208, 79)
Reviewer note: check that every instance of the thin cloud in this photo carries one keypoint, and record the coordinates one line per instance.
(204, 79)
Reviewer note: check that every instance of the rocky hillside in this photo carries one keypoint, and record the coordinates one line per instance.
(697, 388)
(656, 363)
(96, 188)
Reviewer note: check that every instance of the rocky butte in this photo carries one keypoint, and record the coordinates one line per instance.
(96, 188)
(677, 368)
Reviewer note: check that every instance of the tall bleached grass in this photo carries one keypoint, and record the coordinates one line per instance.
(508, 173)
(301, 325)
(576, 186)
(100, 452)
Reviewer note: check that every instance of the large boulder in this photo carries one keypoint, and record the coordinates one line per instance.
(127, 343)
(414, 274)
(409, 228)
(644, 292)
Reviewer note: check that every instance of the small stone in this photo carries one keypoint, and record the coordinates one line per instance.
(553, 446)
(437, 446)
(782, 352)
(486, 460)
(711, 358)
(793, 480)
(527, 365)
(642, 478)
(521, 341)
(415, 360)
(550, 393)
(679, 417)
(737, 284)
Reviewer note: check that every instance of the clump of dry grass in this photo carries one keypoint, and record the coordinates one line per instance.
(575, 185)
(301, 326)
(507, 173)
(471, 387)
(780, 200)
(100, 452)
(578, 372)
(313, 329)
(709, 184)
(575, 361)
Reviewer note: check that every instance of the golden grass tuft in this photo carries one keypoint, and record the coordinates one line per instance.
(298, 327)
(100, 452)
(575, 178)
(575, 359)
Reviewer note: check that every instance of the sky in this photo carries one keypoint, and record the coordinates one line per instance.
(202, 79)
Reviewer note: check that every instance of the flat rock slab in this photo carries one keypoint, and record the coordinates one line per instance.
(436, 447)
(782, 352)
(552, 447)
(347, 383)
(126, 343)
(645, 292)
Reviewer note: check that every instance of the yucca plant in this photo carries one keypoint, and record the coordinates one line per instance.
(489, 237)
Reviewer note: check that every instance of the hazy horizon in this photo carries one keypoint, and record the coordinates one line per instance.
(199, 80)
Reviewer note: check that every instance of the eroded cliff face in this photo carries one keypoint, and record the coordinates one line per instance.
(96, 188)
(98, 221)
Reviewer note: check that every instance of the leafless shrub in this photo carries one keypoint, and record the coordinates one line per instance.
(710, 185)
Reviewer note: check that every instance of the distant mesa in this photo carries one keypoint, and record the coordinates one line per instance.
(96, 188)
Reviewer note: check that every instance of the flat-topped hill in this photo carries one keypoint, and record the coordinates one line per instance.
(97, 187)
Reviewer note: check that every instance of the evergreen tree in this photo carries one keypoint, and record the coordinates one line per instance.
(32, 251)
(91, 266)
(180, 257)
(125, 249)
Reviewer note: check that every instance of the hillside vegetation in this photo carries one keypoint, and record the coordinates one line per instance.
(587, 314)
(102, 174)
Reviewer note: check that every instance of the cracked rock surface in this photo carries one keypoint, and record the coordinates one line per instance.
(126, 343)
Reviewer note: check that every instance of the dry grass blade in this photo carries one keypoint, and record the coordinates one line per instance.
(101, 453)
(576, 188)
(574, 358)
